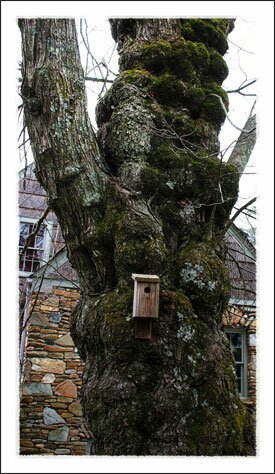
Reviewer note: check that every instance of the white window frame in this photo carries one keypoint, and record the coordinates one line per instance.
(244, 364)
(46, 240)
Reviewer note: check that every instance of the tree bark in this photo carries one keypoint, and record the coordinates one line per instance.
(244, 145)
(141, 203)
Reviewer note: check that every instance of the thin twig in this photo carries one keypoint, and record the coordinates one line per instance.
(227, 116)
(95, 79)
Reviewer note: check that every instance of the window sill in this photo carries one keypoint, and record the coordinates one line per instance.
(24, 274)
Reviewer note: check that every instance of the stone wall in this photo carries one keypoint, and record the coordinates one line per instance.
(237, 317)
(50, 411)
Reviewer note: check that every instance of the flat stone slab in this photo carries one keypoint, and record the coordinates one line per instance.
(51, 301)
(65, 340)
(39, 319)
(66, 389)
(37, 389)
(52, 366)
(51, 417)
(60, 434)
(75, 408)
(62, 451)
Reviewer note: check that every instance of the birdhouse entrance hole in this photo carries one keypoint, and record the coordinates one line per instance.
(147, 289)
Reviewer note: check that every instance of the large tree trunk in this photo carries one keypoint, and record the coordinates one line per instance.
(143, 204)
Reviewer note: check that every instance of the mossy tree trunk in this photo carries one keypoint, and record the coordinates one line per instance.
(140, 199)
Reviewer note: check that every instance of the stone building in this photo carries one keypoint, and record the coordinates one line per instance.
(51, 419)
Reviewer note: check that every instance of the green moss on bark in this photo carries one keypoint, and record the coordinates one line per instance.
(175, 394)
(208, 31)
(205, 279)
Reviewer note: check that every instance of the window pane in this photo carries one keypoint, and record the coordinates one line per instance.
(36, 265)
(32, 257)
(24, 232)
(238, 370)
(39, 241)
(239, 385)
(41, 231)
(238, 354)
(22, 263)
(236, 339)
(28, 265)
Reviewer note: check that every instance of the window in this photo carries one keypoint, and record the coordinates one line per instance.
(38, 247)
(237, 340)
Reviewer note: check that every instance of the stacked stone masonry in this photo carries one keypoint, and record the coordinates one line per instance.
(236, 317)
(51, 420)
(50, 416)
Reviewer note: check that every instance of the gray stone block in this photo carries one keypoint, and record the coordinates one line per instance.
(51, 417)
(39, 319)
(37, 388)
(62, 451)
(55, 316)
(60, 434)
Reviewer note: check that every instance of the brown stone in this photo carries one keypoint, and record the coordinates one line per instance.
(36, 378)
(54, 355)
(65, 341)
(75, 408)
(79, 451)
(65, 399)
(66, 389)
(66, 415)
(59, 292)
(71, 355)
(48, 308)
(48, 365)
(59, 405)
(55, 349)
(27, 444)
(50, 337)
(52, 301)
(37, 343)
(37, 353)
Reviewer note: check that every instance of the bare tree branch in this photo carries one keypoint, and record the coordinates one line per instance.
(245, 206)
(244, 145)
(241, 87)
(95, 79)
(250, 130)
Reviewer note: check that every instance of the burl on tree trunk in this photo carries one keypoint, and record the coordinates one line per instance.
(147, 196)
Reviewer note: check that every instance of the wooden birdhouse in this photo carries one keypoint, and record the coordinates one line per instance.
(145, 304)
